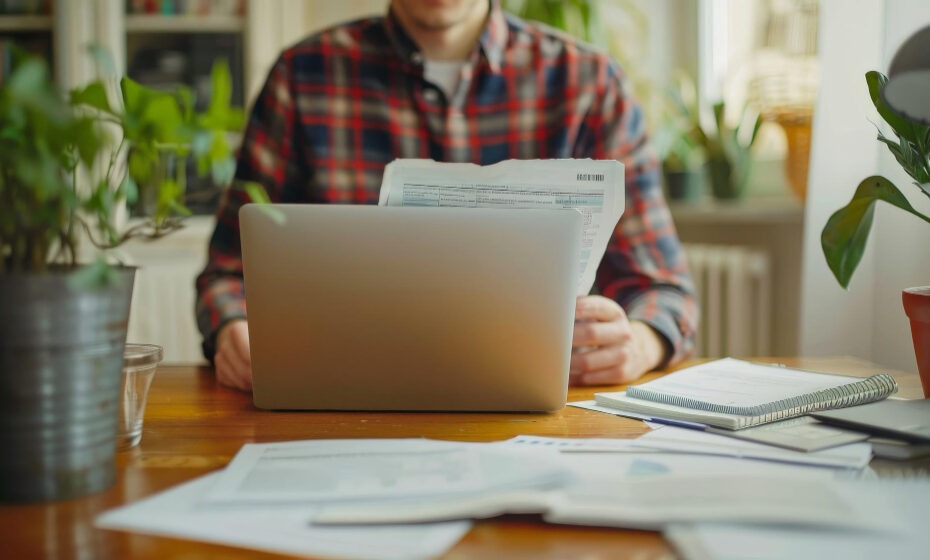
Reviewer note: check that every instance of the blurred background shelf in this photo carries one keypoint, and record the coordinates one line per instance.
(184, 23)
(25, 23)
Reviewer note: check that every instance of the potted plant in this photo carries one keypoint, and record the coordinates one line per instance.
(729, 156)
(844, 236)
(679, 143)
(66, 165)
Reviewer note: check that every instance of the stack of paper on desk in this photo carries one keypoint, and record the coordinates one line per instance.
(267, 496)
(281, 496)
(795, 434)
(680, 440)
(908, 539)
(408, 481)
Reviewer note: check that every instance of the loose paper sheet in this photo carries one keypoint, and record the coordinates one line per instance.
(646, 490)
(178, 512)
(593, 187)
(908, 499)
(329, 471)
(680, 440)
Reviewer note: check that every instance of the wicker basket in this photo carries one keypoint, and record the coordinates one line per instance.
(796, 122)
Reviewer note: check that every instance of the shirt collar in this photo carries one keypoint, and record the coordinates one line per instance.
(491, 44)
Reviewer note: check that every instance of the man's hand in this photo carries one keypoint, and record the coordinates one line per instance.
(608, 348)
(233, 360)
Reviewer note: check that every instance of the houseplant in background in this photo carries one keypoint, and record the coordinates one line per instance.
(844, 236)
(679, 143)
(729, 150)
(64, 174)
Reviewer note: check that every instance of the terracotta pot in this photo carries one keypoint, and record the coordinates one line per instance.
(917, 307)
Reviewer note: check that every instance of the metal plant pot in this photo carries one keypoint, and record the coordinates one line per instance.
(61, 356)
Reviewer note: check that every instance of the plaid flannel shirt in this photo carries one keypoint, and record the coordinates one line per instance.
(340, 105)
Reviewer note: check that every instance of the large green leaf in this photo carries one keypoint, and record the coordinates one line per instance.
(220, 89)
(844, 237)
(162, 114)
(93, 95)
(904, 128)
(135, 96)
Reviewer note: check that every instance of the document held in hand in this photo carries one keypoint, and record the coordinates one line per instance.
(593, 187)
(736, 394)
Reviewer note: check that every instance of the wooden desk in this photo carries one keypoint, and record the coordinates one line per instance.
(193, 426)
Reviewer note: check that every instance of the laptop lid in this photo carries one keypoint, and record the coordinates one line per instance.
(400, 308)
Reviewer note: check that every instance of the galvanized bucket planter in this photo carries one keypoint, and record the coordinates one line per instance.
(61, 355)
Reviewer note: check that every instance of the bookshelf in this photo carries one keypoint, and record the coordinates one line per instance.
(27, 26)
(160, 42)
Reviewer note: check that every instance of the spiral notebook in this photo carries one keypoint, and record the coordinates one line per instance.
(735, 394)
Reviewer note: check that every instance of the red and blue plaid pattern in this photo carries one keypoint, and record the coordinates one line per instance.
(343, 103)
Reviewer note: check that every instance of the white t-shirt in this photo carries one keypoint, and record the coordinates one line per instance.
(443, 73)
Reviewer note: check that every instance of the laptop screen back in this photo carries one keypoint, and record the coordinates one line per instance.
(393, 308)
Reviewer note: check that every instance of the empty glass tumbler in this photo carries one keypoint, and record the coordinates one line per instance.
(139, 364)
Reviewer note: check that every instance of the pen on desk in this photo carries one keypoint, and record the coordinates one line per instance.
(678, 423)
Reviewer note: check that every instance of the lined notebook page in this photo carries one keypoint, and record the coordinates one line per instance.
(738, 387)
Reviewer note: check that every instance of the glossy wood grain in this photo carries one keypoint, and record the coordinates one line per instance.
(192, 426)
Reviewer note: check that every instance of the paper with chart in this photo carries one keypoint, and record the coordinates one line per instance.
(377, 470)
(642, 491)
(593, 187)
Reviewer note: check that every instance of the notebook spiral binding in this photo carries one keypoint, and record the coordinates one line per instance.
(858, 392)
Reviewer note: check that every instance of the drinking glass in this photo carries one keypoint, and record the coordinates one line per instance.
(139, 364)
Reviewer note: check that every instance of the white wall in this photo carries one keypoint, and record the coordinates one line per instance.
(904, 256)
(866, 321)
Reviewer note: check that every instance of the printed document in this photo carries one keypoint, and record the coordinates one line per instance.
(593, 187)
(285, 529)
(645, 491)
(328, 471)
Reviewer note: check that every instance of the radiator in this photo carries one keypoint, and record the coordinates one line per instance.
(734, 287)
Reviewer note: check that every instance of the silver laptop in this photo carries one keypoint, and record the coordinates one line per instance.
(401, 308)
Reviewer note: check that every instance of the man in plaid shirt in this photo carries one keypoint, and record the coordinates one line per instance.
(459, 81)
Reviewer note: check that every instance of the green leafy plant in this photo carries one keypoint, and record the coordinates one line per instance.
(728, 148)
(680, 140)
(42, 143)
(68, 163)
(576, 17)
(844, 236)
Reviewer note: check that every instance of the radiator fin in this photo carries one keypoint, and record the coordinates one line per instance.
(734, 289)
